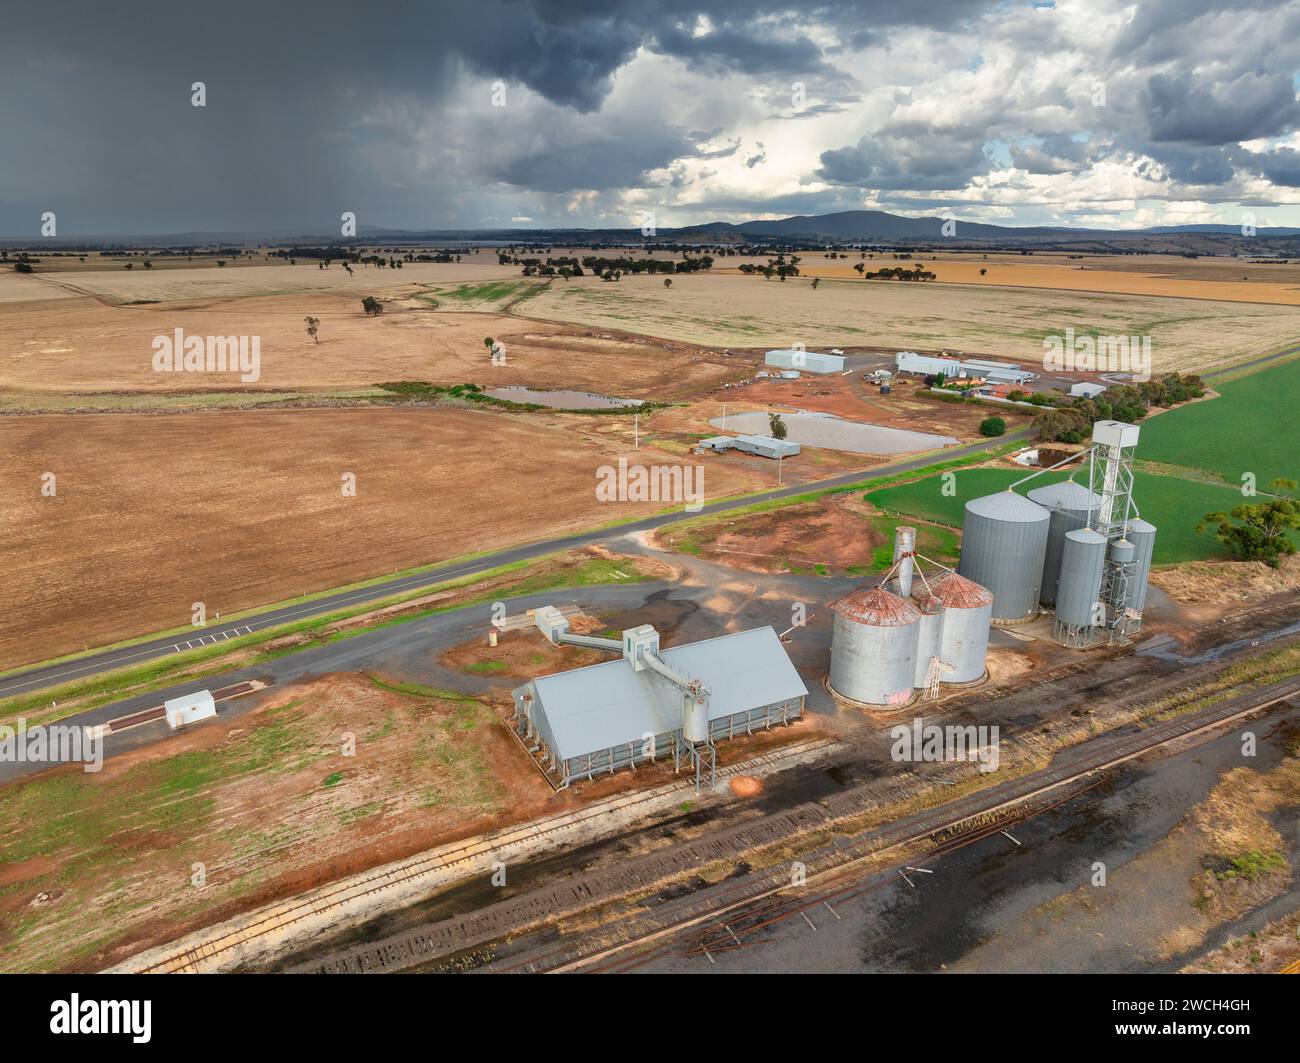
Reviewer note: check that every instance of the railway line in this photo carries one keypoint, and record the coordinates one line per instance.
(246, 936)
(661, 918)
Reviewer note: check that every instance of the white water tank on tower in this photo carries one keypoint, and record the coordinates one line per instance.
(873, 647)
(695, 717)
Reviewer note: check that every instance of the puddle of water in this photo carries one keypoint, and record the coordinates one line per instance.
(561, 399)
(835, 433)
(1165, 648)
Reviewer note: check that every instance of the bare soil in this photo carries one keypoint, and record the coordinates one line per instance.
(237, 510)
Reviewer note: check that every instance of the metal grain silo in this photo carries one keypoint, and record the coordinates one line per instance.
(928, 631)
(873, 647)
(1082, 560)
(1068, 503)
(1003, 542)
(964, 638)
(1143, 536)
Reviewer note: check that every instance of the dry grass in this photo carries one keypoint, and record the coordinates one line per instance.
(737, 311)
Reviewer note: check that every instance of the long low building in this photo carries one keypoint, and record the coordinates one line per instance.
(938, 365)
(763, 446)
(808, 361)
(609, 716)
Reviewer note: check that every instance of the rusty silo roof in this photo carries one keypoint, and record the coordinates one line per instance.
(958, 592)
(877, 607)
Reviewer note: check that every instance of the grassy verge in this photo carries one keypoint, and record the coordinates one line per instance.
(57, 703)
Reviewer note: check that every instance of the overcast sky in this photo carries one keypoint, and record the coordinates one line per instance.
(1098, 113)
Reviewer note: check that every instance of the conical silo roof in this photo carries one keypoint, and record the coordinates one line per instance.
(876, 607)
(958, 592)
(1007, 506)
(1065, 495)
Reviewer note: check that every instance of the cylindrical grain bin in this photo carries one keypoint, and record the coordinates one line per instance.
(928, 632)
(1143, 537)
(873, 647)
(1004, 541)
(964, 638)
(1082, 560)
(904, 561)
(695, 717)
(1068, 504)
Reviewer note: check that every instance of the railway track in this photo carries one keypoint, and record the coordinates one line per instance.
(543, 906)
(243, 936)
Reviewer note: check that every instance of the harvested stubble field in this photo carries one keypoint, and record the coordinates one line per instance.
(737, 311)
(206, 282)
(81, 346)
(1219, 279)
(238, 510)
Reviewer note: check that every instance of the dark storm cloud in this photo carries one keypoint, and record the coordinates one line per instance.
(1281, 166)
(1190, 111)
(384, 108)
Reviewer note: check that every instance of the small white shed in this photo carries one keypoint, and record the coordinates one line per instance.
(189, 708)
(1086, 389)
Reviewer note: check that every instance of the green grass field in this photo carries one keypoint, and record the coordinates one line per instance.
(1253, 427)
(1173, 505)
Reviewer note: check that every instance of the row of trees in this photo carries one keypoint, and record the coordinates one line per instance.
(1071, 420)
(892, 273)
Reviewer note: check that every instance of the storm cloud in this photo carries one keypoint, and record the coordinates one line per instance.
(467, 114)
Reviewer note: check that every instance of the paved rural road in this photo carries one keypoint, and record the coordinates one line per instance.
(36, 678)
(95, 663)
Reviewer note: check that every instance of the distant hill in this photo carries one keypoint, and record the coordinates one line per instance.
(849, 226)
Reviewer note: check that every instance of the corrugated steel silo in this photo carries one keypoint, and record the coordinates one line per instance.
(964, 639)
(928, 632)
(1004, 540)
(1082, 560)
(1143, 536)
(873, 647)
(1068, 504)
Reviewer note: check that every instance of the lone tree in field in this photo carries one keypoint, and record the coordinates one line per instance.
(313, 325)
(776, 425)
(668, 282)
(992, 426)
(1259, 531)
(372, 306)
(489, 342)
(816, 281)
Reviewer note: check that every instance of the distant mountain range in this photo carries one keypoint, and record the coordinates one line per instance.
(881, 225)
(850, 226)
